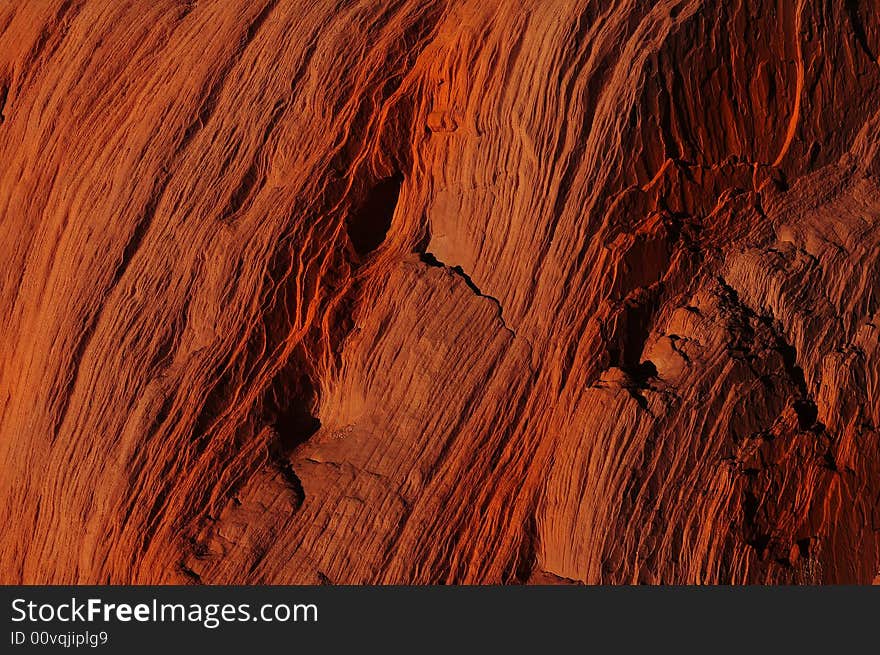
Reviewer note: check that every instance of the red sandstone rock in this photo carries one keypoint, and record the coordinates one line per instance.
(467, 291)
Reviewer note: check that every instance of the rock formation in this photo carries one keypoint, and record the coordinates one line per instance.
(423, 291)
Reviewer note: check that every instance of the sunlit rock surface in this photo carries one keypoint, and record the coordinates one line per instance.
(472, 291)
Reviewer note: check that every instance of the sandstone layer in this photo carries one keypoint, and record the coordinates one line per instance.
(422, 291)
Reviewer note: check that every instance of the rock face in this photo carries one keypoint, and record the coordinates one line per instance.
(471, 291)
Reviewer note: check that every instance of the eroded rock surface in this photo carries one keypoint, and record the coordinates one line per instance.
(416, 292)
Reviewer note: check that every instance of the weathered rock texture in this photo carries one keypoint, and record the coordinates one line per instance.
(416, 291)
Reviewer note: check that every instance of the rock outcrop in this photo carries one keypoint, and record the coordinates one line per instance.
(465, 291)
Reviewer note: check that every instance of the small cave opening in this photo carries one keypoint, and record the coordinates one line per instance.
(369, 223)
(629, 332)
(289, 411)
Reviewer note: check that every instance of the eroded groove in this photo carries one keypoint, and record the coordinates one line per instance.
(145, 220)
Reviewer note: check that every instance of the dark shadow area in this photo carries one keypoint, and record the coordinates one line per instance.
(430, 260)
(852, 8)
(369, 224)
(289, 411)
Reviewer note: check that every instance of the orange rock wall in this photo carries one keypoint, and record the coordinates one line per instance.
(465, 291)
